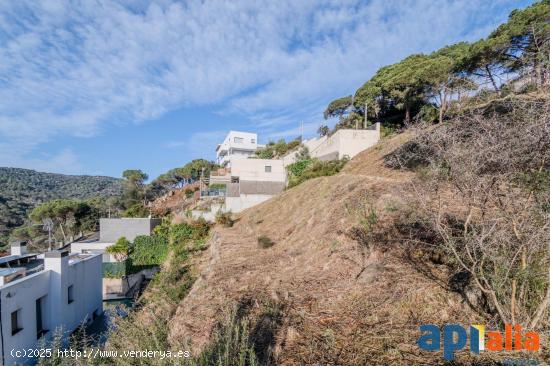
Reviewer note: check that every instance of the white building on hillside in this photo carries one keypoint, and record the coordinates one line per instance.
(250, 181)
(342, 143)
(40, 295)
(236, 145)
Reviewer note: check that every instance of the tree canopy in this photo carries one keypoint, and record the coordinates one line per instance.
(521, 46)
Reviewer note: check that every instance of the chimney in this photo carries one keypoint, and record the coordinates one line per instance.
(58, 263)
(18, 247)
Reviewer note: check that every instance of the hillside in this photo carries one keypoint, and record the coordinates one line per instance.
(342, 270)
(23, 189)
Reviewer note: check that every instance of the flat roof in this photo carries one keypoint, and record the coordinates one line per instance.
(14, 257)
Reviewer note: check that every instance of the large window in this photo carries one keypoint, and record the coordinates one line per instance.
(16, 322)
(70, 294)
(238, 140)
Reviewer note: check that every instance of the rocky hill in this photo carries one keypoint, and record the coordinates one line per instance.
(22, 189)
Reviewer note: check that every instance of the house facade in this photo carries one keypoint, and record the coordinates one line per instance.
(41, 295)
(236, 145)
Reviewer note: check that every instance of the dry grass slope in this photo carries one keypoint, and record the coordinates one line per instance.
(335, 285)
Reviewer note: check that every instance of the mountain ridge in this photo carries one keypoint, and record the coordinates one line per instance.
(23, 189)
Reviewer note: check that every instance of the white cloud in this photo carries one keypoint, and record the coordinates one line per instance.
(69, 69)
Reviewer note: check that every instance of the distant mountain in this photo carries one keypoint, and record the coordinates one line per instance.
(22, 189)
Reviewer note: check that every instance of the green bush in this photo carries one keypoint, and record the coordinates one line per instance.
(120, 249)
(149, 250)
(303, 170)
(136, 210)
(265, 241)
(181, 233)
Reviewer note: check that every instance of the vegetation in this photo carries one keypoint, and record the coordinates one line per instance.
(225, 219)
(518, 49)
(495, 164)
(306, 169)
(265, 241)
(162, 296)
(179, 177)
(21, 190)
(149, 250)
(120, 249)
(275, 150)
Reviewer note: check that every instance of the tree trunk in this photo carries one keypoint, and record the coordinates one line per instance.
(490, 75)
(407, 114)
(442, 105)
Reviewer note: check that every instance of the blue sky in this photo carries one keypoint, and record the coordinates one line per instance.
(96, 87)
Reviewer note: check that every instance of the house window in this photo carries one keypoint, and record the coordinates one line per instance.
(70, 294)
(40, 331)
(16, 322)
(268, 168)
(253, 141)
(238, 140)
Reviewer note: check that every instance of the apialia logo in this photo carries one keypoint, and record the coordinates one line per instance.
(455, 338)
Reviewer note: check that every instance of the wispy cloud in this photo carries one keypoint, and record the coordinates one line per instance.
(73, 69)
(199, 144)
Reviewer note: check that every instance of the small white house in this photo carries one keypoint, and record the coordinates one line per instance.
(41, 295)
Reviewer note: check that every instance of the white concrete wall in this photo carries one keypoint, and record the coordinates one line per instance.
(342, 143)
(21, 295)
(110, 230)
(244, 201)
(254, 169)
(52, 285)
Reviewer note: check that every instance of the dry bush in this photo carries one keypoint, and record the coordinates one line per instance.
(484, 184)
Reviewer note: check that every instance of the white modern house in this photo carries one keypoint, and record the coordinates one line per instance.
(110, 230)
(236, 145)
(41, 295)
(250, 181)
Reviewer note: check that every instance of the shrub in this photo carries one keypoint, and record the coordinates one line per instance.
(265, 242)
(181, 233)
(136, 210)
(120, 249)
(303, 170)
(149, 250)
(231, 345)
(224, 218)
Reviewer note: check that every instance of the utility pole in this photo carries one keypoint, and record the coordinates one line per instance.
(302, 132)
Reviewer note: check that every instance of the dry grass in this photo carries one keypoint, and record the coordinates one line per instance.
(348, 299)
